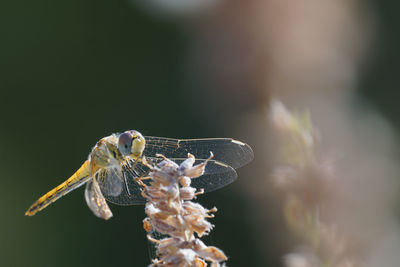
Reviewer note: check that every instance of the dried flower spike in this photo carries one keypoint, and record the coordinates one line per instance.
(171, 212)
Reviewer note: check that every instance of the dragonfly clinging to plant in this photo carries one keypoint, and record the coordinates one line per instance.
(116, 160)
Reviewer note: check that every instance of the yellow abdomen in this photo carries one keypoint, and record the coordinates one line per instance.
(81, 176)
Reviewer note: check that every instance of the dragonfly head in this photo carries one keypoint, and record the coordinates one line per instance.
(131, 143)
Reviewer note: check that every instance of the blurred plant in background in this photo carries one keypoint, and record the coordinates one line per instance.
(306, 181)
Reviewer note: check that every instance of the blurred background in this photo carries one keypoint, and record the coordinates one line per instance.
(74, 71)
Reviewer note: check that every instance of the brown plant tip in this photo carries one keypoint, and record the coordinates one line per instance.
(171, 212)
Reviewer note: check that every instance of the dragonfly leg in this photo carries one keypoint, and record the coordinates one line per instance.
(144, 195)
(144, 178)
(140, 180)
(126, 186)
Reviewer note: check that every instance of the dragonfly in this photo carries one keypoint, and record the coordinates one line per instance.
(116, 161)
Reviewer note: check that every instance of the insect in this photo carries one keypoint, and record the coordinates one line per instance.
(116, 160)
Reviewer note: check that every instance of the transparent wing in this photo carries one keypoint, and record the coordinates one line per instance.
(111, 181)
(226, 150)
(118, 184)
(217, 175)
(96, 201)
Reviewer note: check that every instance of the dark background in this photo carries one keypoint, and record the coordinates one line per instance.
(75, 71)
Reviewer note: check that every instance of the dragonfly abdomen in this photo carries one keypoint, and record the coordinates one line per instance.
(81, 176)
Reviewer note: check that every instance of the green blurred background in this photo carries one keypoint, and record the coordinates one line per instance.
(75, 71)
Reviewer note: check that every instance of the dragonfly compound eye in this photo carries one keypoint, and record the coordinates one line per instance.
(125, 143)
(138, 144)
